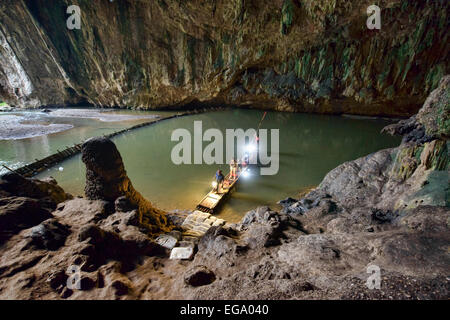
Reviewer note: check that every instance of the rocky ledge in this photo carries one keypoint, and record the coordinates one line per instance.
(387, 212)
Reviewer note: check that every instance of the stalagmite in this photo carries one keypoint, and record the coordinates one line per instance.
(106, 179)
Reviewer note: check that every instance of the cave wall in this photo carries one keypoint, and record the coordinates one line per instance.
(294, 55)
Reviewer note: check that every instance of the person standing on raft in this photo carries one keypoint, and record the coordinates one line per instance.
(233, 168)
(219, 179)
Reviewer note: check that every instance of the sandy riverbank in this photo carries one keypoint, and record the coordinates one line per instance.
(29, 124)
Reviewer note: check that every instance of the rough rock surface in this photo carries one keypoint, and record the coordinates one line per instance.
(49, 235)
(199, 276)
(25, 203)
(18, 213)
(432, 121)
(293, 55)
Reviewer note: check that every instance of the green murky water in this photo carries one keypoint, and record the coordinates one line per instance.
(310, 146)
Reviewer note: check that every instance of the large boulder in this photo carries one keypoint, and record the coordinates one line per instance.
(50, 234)
(262, 227)
(17, 213)
(217, 242)
(47, 191)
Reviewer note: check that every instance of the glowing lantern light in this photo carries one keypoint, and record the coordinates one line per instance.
(250, 148)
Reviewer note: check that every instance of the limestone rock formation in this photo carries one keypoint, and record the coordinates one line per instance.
(106, 179)
(292, 55)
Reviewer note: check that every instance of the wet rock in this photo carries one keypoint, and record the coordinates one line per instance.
(50, 235)
(199, 276)
(295, 209)
(410, 129)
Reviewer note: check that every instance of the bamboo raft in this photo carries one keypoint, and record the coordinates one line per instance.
(38, 166)
(213, 200)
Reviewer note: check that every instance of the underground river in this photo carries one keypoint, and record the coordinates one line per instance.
(310, 146)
